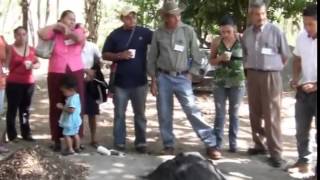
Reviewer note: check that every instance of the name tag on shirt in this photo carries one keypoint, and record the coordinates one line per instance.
(179, 48)
(267, 51)
(69, 42)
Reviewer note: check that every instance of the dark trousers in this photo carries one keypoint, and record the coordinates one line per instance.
(19, 97)
(306, 111)
(56, 96)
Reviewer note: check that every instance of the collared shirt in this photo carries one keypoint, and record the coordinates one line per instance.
(66, 53)
(172, 50)
(130, 73)
(265, 49)
(307, 49)
(89, 51)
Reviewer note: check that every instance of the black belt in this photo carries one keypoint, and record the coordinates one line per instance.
(173, 73)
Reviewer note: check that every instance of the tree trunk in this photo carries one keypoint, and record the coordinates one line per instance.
(58, 9)
(47, 12)
(25, 8)
(93, 17)
(39, 13)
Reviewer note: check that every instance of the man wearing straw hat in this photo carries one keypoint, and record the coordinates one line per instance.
(127, 46)
(169, 65)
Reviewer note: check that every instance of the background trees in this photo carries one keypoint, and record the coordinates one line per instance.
(101, 18)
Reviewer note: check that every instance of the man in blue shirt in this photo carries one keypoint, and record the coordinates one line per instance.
(127, 46)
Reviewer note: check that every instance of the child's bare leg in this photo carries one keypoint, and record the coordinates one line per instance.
(68, 141)
(76, 141)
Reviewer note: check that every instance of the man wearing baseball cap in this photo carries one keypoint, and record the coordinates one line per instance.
(172, 47)
(127, 47)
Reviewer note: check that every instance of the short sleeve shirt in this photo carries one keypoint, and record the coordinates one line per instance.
(130, 73)
(71, 120)
(89, 51)
(307, 49)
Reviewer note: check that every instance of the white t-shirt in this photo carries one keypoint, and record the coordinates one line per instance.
(88, 52)
(306, 49)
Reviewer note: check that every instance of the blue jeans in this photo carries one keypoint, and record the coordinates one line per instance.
(138, 100)
(234, 96)
(306, 110)
(181, 87)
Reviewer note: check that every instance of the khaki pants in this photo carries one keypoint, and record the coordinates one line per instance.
(264, 94)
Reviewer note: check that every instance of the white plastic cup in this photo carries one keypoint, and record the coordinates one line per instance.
(133, 53)
(228, 55)
(104, 151)
(28, 64)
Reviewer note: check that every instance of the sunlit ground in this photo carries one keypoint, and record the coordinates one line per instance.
(236, 166)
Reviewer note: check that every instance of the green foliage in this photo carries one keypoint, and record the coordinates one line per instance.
(148, 12)
(204, 15)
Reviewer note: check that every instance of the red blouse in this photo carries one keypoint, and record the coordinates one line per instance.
(18, 73)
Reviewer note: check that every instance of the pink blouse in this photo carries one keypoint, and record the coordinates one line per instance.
(66, 53)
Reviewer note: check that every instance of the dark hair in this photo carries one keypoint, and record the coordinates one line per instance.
(227, 20)
(18, 28)
(65, 13)
(68, 82)
(311, 11)
(257, 4)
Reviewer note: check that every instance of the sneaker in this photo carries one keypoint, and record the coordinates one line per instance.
(214, 153)
(120, 147)
(256, 151)
(300, 167)
(167, 151)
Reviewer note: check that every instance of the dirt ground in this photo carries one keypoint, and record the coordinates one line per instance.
(236, 166)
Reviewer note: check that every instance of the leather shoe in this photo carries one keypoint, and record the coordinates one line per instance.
(214, 153)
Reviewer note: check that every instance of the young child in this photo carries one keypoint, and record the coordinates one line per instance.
(70, 119)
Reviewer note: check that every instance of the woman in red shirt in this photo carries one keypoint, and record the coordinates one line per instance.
(20, 84)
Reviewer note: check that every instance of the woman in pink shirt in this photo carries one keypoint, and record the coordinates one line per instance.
(66, 59)
(20, 84)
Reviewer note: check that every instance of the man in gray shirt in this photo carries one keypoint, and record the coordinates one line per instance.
(169, 64)
(266, 52)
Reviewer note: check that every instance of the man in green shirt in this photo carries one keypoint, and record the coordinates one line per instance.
(174, 53)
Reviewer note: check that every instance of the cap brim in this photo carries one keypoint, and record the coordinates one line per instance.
(127, 13)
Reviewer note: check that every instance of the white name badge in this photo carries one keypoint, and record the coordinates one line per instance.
(69, 42)
(179, 48)
(267, 51)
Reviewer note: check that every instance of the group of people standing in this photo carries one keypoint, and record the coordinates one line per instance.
(252, 60)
